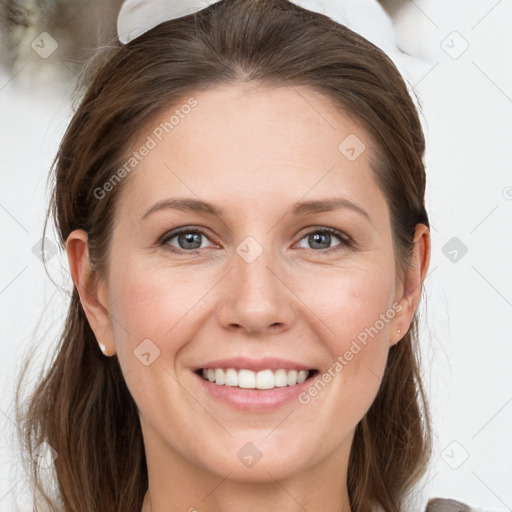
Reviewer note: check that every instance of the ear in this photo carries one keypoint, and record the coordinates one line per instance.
(92, 290)
(413, 283)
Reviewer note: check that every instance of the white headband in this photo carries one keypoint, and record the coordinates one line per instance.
(366, 17)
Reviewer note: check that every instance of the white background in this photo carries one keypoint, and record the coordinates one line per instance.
(466, 99)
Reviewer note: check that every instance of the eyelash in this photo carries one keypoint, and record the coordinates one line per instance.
(344, 239)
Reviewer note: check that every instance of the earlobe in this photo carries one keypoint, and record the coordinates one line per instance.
(90, 289)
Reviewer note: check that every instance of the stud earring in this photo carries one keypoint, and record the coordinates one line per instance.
(398, 331)
(103, 348)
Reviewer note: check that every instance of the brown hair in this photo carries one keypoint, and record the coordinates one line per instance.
(81, 407)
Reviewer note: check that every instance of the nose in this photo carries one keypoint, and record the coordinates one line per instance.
(256, 297)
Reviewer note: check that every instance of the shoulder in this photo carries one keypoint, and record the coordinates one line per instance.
(449, 505)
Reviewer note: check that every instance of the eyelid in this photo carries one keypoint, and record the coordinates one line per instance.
(168, 235)
(333, 231)
(345, 239)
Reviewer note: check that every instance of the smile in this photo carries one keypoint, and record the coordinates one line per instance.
(248, 379)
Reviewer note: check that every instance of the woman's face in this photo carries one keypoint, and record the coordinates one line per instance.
(263, 283)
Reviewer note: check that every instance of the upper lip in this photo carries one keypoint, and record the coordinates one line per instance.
(239, 363)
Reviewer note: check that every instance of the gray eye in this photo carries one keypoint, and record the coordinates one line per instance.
(320, 239)
(186, 240)
(189, 240)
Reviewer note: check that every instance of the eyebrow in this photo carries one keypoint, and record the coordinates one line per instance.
(300, 208)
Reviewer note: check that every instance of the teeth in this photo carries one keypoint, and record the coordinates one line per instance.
(264, 379)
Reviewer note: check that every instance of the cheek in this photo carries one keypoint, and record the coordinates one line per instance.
(152, 319)
(343, 305)
(151, 304)
(356, 309)
(354, 303)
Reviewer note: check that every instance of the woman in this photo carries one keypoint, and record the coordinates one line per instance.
(241, 198)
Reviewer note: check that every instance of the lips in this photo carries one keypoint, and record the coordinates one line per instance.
(256, 365)
(259, 392)
(254, 400)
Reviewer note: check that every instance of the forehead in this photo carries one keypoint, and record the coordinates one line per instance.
(252, 142)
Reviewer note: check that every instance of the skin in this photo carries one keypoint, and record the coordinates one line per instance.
(254, 152)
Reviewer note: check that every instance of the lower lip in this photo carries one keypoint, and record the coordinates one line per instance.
(255, 400)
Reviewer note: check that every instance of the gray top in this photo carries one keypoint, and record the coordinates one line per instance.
(449, 505)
